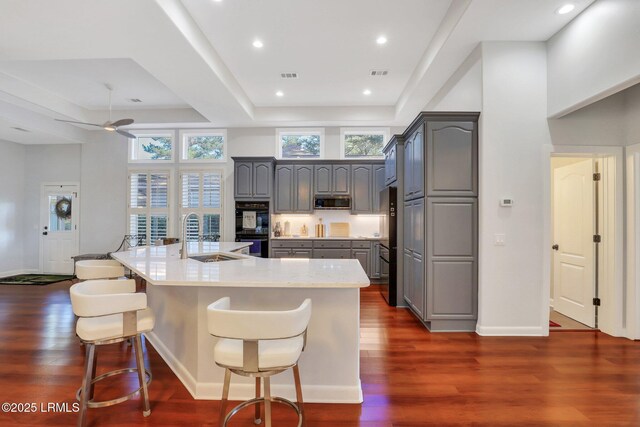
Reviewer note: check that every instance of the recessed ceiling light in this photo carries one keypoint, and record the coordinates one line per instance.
(381, 40)
(217, 1)
(279, 93)
(257, 43)
(366, 92)
(565, 9)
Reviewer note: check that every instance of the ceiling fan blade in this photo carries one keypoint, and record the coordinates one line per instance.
(125, 133)
(79, 123)
(122, 122)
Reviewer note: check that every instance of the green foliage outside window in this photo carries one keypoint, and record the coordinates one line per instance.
(159, 147)
(300, 145)
(205, 147)
(363, 145)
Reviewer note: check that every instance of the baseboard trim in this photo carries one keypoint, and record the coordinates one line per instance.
(213, 390)
(509, 331)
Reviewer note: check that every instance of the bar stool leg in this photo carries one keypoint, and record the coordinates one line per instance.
(225, 396)
(267, 401)
(146, 411)
(86, 383)
(256, 419)
(296, 376)
(93, 373)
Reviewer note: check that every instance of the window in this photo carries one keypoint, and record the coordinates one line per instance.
(202, 194)
(152, 147)
(300, 143)
(203, 145)
(358, 143)
(148, 211)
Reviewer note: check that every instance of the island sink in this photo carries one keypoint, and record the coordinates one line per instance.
(214, 258)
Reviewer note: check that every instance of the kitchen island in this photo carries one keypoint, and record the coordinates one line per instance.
(179, 291)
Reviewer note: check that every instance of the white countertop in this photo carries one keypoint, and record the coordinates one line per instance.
(326, 238)
(161, 265)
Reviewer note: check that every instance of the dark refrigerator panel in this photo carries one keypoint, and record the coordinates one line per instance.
(389, 245)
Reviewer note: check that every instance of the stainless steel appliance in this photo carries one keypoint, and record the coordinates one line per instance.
(332, 202)
(252, 225)
(389, 245)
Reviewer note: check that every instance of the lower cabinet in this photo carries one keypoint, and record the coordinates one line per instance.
(364, 256)
(332, 253)
(291, 253)
(375, 261)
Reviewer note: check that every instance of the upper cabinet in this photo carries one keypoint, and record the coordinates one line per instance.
(391, 159)
(253, 178)
(441, 156)
(379, 172)
(362, 192)
(332, 180)
(452, 156)
(293, 188)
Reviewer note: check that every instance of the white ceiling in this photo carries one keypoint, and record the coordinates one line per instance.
(193, 64)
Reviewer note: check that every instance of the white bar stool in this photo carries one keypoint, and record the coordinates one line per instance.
(258, 344)
(110, 311)
(99, 269)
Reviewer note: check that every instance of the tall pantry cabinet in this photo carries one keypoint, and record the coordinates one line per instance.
(440, 250)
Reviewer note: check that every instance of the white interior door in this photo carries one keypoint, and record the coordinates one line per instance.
(59, 234)
(574, 225)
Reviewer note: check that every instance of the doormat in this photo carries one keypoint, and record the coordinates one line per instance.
(34, 279)
(553, 324)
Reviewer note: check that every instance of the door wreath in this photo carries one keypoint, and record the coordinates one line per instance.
(63, 208)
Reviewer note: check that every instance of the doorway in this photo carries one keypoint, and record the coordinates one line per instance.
(576, 200)
(59, 214)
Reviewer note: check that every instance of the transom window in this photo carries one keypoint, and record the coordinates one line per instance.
(152, 147)
(148, 207)
(201, 193)
(203, 145)
(295, 143)
(359, 143)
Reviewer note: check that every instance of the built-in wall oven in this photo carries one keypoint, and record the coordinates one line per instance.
(252, 225)
(389, 246)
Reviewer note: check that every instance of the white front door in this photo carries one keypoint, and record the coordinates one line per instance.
(574, 227)
(59, 233)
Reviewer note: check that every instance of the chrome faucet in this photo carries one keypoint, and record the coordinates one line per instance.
(183, 251)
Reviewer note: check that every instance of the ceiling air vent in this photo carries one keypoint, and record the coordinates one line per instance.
(289, 75)
(375, 73)
(135, 100)
(20, 129)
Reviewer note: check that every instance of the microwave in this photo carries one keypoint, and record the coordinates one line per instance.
(332, 202)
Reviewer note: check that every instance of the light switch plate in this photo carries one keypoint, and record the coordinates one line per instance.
(500, 239)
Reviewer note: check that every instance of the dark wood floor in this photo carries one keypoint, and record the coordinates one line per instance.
(409, 376)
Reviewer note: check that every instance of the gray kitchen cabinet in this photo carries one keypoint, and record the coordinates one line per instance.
(302, 253)
(390, 161)
(452, 156)
(341, 179)
(303, 188)
(414, 165)
(384, 267)
(375, 261)
(362, 189)
(332, 244)
(407, 268)
(452, 278)
(332, 253)
(284, 194)
(378, 186)
(417, 282)
(364, 256)
(322, 179)
(281, 253)
(253, 178)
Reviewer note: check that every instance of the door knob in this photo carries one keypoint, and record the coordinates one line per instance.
(44, 233)
(555, 247)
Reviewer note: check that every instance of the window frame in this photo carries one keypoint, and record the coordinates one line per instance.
(300, 131)
(184, 133)
(201, 211)
(148, 133)
(384, 131)
(148, 210)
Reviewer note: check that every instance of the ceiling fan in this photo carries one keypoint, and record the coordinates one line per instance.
(108, 125)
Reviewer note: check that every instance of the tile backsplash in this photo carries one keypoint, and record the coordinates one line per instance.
(360, 225)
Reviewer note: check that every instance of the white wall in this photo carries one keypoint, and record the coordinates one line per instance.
(12, 167)
(594, 56)
(43, 164)
(513, 130)
(465, 94)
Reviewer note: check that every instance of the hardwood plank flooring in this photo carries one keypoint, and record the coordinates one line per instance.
(410, 377)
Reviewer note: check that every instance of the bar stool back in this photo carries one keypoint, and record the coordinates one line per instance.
(258, 344)
(110, 311)
(99, 269)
